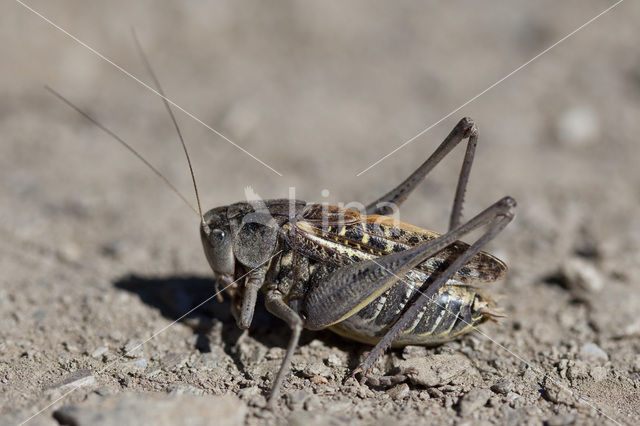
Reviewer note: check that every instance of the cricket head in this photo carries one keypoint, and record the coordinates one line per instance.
(238, 240)
(240, 235)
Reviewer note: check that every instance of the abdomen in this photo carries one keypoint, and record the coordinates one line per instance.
(453, 311)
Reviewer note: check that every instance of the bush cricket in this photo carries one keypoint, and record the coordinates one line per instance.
(362, 275)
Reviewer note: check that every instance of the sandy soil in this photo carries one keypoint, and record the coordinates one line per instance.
(98, 256)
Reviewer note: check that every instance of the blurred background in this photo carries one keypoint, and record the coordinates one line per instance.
(319, 91)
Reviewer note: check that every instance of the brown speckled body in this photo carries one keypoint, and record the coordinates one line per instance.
(313, 248)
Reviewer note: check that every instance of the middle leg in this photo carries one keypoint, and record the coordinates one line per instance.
(277, 306)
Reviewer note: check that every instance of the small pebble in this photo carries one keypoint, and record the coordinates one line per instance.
(529, 375)
(424, 396)
(436, 370)
(70, 347)
(249, 392)
(577, 370)
(317, 369)
(410, 352)
(598, 373)
(274, 353)
(512, 396)
(319, 380)
(582, 276)
(141, 363)
(557, 392)
(316, 343)
(578, 126)
(502, 387)
(334, 361)
(98, 352)
(593, 352)
(69, 252)
(399, 392)
(473, 400)
(132, 348)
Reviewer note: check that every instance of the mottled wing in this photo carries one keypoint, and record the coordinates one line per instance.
(334, 239)
(324, 214)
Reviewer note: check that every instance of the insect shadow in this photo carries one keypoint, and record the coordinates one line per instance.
(176, 295)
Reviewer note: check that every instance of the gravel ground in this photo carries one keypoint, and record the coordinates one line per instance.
(98, 257)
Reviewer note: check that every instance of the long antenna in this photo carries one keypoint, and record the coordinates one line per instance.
(173, 118)
(125, 144)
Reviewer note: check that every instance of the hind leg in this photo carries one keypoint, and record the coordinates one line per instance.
(495, 218)
(463, 130)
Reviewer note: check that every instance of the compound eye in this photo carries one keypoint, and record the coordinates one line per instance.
(218, 235)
